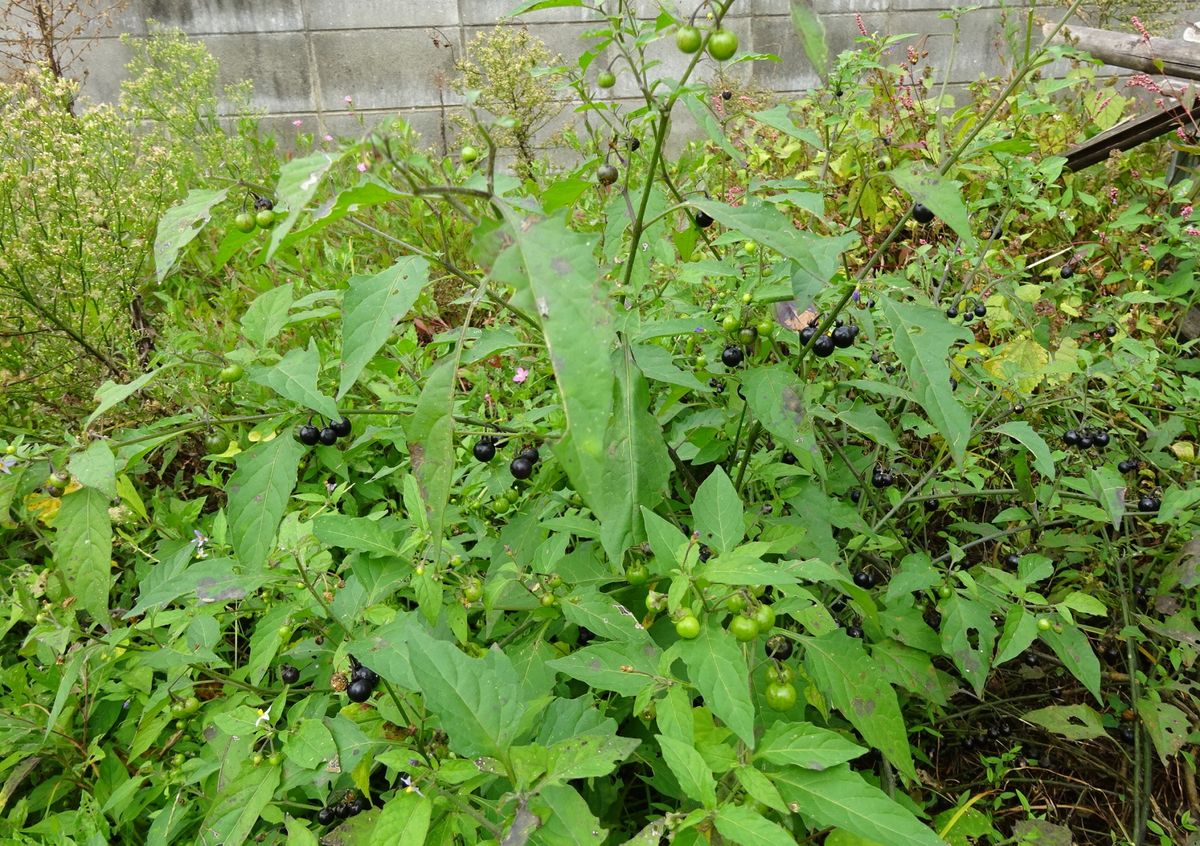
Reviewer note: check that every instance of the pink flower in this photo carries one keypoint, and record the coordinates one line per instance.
(1140, 28)
(297, 123)
(348, 99)
(362, 167)
(862, 27)
(328, 137)
(521, 375)
(1191, 230)
(1185, 212)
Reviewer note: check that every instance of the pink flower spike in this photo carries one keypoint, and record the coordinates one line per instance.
(297, 123)
(521, 375)
(362, 167)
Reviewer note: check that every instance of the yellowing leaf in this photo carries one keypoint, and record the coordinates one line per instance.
(1023, 361)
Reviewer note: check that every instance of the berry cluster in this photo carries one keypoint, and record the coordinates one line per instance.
(882, 478)
(1086, 438)
(521, 466)
(969, 309)
(310, 435)
(363, 682)
(840, 338)
(350, 805)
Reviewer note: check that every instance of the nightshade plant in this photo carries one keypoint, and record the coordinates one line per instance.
(650, 515)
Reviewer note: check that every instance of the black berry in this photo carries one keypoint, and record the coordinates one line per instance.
(1110, 330)
(359, 690)
(289, 674)
(1071, 438)
(864, 579)
(1126, 733)
(341, 427)
(521, 468)
(365, 674)
(484, 450)
(854, 631)
(342, 809)
(703, 221)
(842, 337)
(1148, 504)
(530, 454)
(732, 356)
(1086, 439)
(325, 816)
(1012, 559)
(778, 647)
(922, 214)
(952, 312)
(726, 95)
(327, 436)
(1101, 439)
(308, 435)
(823, 346)
(980, 310)
(635, 144)
(1067, 271)
(855, 496)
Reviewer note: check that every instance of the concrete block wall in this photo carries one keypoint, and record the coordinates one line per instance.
(389, 57)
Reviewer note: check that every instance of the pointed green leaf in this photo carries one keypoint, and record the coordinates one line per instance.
(1075, 651)
(1075, 722)
(1167, 726)
(370, 309)
(258, 495)
(922, 338)
(404, 821)
(1022, 432)
(603, 616)
(717, 668)
(83, 549)
(776, 396)
(1020, 630)
(739, 824)
(865, 419)
(805, 745)
(840, 797)
(566, 819)
(110, 393)
(431, 445)
(694, 776)
(235, 810)
(717, 512)
(812, 35)
(96, 468)
(310, 745)
(267, 315)
(705, 119)
(1108, 486)
(298, 182)
(845, 674)
(940, 194)
(599, 665)
(180, 225)
(588, 756)
(295, 378)
(967, 638)
(358, 533)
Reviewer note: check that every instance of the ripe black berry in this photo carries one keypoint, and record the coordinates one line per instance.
(341, 427)
(875, 358)
(365, 674)
(308, 435)
(726, 95)
(1127, 733)
(842, 337)
(732, 356)
(952, 312)
(1110, 330)
(1101, 439)
(968, 316)
(854, 631)
(325, 816)
(327, 436)
(717, 385)
(289, 674)
(342, 810)
(1086, 439)
(980, 310)
(1012, 559)
(357, 806)
(1148, 504)
(922, 214)
(359, 690)
(788, 458)
(778, 647)
(530, 454)
(855, 496)
(703, 221)
(864, 579)
(484, 450)
(882, 478)
(823, 346)
(807, 333)
(521, 468)
(1071, 438)
(1128, 464)
(1067, 271)
(634, 145)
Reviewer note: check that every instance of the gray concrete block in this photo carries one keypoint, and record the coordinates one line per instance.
(276, 63)
(202, 17)
(102, 68)
(382, 69)
(376, 14)
(491, 12)
(793, 71)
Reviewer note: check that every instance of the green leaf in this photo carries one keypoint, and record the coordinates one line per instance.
(693, 774)
(967, 638)
(295, 378)
(717, 513)
(776, 396)
(778, 117)
(840, 797)
(478, 702)
(1020, 630)
(812, 35)
(603, 616)
(1108, 486)
(371, 308)
(922, 338)
(310, 745)
(357, 533)
(599, 665)
(805, 745)
(1075, 651)
(404, 821)
(865, 419)
(571, 301)
(348, 201)
(258, 495)
(739, 824)
(298, 182)
(83, 549)
(1084, 603)
(96, 468)
(717, 668)
(705, 119)
(743, 566)
(431, 448)
(1167, 726)
(66, 683)
(845, 674)
(658, 364)
(180, 225)
(267, 315)
(1023, 433)
(1075, 722)
(567, 819)
(941, 195)
(537, 5)
(816, 254)
(110, 393)
(588, 756)
(236, 808)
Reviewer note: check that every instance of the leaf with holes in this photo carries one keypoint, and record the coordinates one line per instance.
(298, 182)
(180, 225)
(922, 338)
(968, 636)
(1075, 722)
(1167, 726)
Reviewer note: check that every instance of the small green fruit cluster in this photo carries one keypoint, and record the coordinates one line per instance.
(263, 217)
(722, 43)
